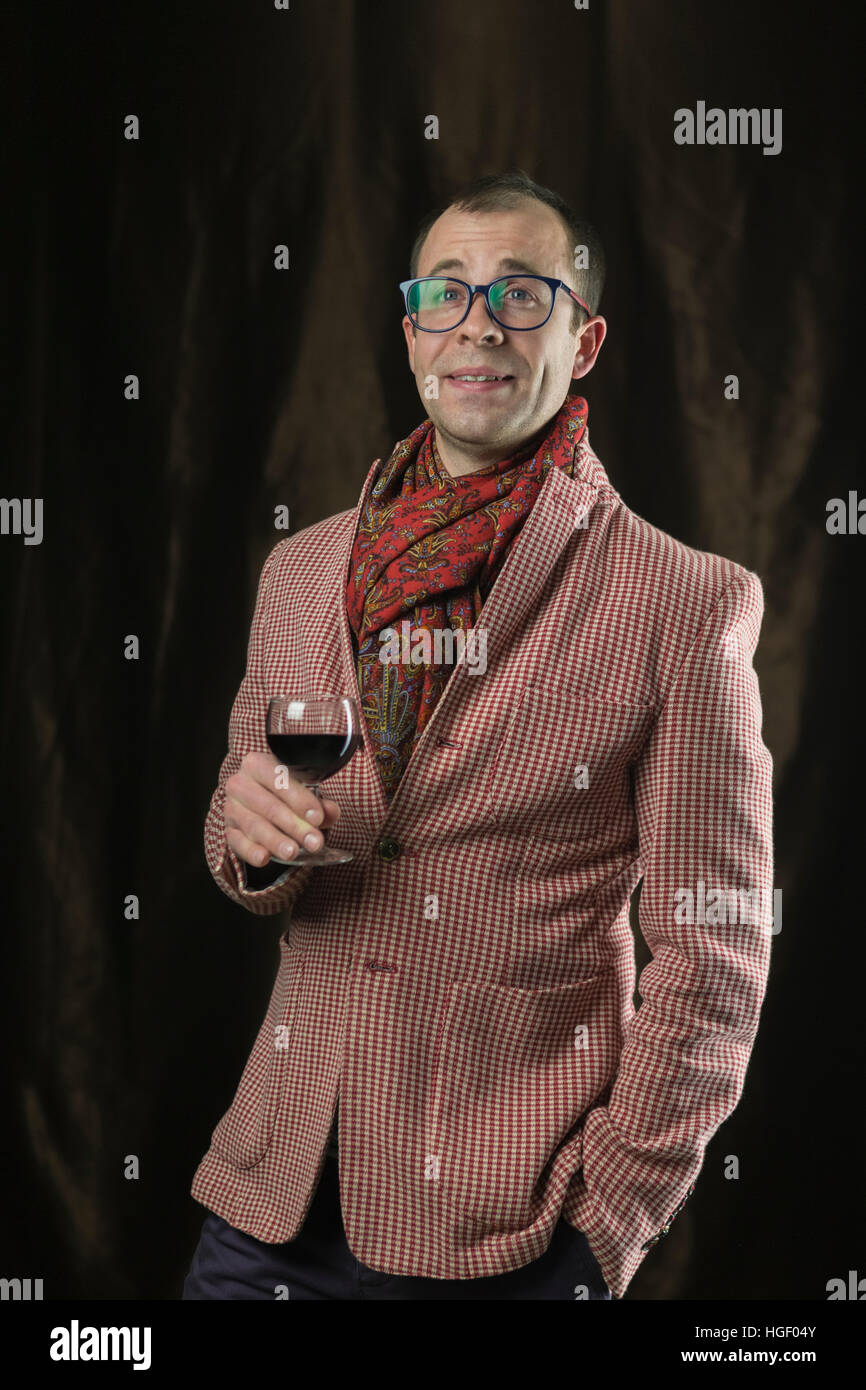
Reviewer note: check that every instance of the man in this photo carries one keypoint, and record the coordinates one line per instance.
(509, 1125)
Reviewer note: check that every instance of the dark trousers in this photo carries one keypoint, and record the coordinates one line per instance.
(319, 1264)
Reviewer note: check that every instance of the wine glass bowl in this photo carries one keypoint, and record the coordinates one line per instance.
(313, 737)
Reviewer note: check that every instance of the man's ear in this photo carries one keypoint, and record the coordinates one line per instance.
(588, 346)
(409, 333)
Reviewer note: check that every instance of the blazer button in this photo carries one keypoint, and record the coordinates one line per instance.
(388, 848)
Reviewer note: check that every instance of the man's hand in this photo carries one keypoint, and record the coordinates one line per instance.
(262, 819)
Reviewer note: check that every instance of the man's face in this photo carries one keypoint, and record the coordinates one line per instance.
(479, 423)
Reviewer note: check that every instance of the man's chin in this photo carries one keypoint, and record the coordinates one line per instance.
(474, 421)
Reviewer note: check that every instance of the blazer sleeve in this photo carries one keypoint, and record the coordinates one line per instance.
(703, 803)
(246, 734)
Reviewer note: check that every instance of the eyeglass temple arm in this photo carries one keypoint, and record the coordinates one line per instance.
(577, 297)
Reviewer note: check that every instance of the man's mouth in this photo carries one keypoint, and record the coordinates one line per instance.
(478, 381)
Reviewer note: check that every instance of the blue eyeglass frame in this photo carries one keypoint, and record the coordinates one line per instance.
(554, 285)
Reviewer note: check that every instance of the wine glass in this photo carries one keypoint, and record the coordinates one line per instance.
(314, 736)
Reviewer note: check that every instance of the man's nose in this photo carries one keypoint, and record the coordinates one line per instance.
(478, 319)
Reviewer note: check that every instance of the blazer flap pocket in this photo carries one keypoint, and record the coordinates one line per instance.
(565, 759)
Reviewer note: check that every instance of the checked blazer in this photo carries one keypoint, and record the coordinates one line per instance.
(465, 986)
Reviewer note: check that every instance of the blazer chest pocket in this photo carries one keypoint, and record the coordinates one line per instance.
(243, 1136)
(515, 1071)
(562, 773)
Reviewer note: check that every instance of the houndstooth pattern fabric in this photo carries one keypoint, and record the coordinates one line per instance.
(465, 985)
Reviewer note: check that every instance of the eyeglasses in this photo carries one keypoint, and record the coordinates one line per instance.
(516, 302)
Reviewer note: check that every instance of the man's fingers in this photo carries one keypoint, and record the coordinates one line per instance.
(261, 799)
(276, 829)
(247, 849)
(262, 768)
(261, 838)
(262, 819)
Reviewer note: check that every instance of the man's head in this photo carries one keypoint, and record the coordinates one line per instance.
(492, 222)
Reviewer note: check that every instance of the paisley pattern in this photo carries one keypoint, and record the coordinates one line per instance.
(427, 550)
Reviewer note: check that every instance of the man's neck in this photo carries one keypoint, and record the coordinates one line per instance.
(457, 463)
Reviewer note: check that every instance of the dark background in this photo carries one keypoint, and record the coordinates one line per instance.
(259, 388)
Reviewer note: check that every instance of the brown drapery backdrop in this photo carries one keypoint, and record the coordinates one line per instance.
(155, 257)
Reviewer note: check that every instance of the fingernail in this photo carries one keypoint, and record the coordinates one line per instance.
(314, 814)
(312, 841)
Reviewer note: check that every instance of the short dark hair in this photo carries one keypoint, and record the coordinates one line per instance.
(500, 192)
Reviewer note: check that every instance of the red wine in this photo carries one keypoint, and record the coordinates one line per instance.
(313, 757)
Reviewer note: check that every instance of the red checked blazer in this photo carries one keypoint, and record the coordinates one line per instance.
(465, 985)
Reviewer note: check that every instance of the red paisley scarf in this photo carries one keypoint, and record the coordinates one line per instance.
(428, 549)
